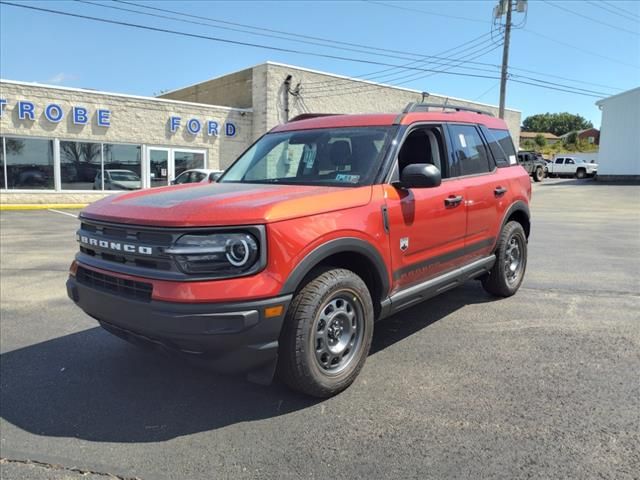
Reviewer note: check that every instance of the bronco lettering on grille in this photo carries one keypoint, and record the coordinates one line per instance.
(117, 246)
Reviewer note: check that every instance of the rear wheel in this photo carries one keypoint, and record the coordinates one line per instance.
(327, 334)
(507, 274)
(538, 174)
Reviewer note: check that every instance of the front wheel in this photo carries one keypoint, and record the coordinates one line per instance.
(581, 173)
(327, 334)
(538, 175)
(507, 274)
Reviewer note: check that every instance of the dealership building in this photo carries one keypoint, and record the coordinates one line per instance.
(70, 145)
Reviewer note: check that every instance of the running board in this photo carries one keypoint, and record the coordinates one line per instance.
(434, 286)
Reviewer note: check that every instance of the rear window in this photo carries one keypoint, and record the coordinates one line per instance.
(501, 146)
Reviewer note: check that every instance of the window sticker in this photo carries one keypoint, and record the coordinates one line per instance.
(344, 178)
(463, 141)
(512, 160)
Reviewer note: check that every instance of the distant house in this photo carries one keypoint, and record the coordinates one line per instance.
(549, 137)
(590, 135)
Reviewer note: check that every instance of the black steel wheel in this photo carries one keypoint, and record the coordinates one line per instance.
(327, 333)
(507, 273)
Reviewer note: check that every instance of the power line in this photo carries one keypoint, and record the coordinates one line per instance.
(357, 89)
(288, 50)
(599, 22)
(396, 76)
(228, 41)
(624, 10)
(491, 88)
(587, 52)
(608, 9)
(423, 61)
(410, 9)
(580, 49)
(194, 22)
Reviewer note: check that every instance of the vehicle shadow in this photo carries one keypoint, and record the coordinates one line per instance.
(93, 386)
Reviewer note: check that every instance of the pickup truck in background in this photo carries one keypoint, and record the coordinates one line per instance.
(533, 163)
(571, 166)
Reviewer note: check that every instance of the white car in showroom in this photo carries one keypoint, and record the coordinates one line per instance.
(197, 175)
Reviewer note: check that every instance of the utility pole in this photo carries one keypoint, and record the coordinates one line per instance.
(505, 7)
(505, 60)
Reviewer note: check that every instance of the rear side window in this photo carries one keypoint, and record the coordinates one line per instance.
(470, 155)
(501, 146)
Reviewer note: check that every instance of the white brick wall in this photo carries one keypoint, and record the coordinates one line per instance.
(136, 120)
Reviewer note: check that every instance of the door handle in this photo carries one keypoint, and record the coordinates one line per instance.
(499, 191)
(453, 201)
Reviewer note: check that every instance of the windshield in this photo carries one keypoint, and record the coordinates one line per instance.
(328, 156)
(124, 176)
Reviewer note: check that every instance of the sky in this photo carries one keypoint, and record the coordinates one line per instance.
(582, 41)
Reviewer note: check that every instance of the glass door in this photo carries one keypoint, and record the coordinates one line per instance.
(158, 167)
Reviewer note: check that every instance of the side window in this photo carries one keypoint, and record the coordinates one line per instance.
(198, 176)
(470, 155)
(501, 146)
(559, 161)
(423, 145)
(569, 161)
(182, 178)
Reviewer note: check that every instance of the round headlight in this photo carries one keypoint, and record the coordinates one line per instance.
(237, 252)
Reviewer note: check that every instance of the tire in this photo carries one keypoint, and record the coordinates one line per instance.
(538, 174)
(581, 173)
(327, 334)
(507, 274)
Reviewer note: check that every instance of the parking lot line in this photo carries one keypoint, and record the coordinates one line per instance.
(63, 213)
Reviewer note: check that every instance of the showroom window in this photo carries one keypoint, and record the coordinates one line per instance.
(80, 164)
(185, 160)
(122, 166)
(67, 165)
(28, 163)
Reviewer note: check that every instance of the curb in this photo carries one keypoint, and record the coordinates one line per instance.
(42, 206)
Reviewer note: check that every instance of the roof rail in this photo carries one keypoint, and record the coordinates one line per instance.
(424, 107)
(305, 116)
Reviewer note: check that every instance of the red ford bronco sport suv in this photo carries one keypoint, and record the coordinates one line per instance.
(319, 229)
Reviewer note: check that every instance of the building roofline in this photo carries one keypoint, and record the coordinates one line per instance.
(386, 85)
(335, 75)
(211, 79)
(122, 95)
(626, 92)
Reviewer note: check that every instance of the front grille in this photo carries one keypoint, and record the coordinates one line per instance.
(113, 235)
(116, 285)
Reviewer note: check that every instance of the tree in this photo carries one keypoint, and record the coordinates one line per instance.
(556, 123)
(540, 140)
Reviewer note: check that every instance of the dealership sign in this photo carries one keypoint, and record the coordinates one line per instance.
(194, 126)
(80, 115)
(54, 113)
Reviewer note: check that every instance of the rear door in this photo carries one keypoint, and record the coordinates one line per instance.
(485, 189)
(569, 167)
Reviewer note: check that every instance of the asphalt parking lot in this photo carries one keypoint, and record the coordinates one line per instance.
(545, 384)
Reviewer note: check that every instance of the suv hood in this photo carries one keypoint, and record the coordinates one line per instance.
(219, 204)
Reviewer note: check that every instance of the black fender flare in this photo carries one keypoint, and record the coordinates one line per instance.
(515, 207)
(332, 247)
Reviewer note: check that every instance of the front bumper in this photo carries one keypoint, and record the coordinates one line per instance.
(229, 337)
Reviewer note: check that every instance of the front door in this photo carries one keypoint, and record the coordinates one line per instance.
(158, 167)
(427, 226)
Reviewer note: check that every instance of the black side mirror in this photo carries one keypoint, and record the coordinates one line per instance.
(420, 175)
(173, 182)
